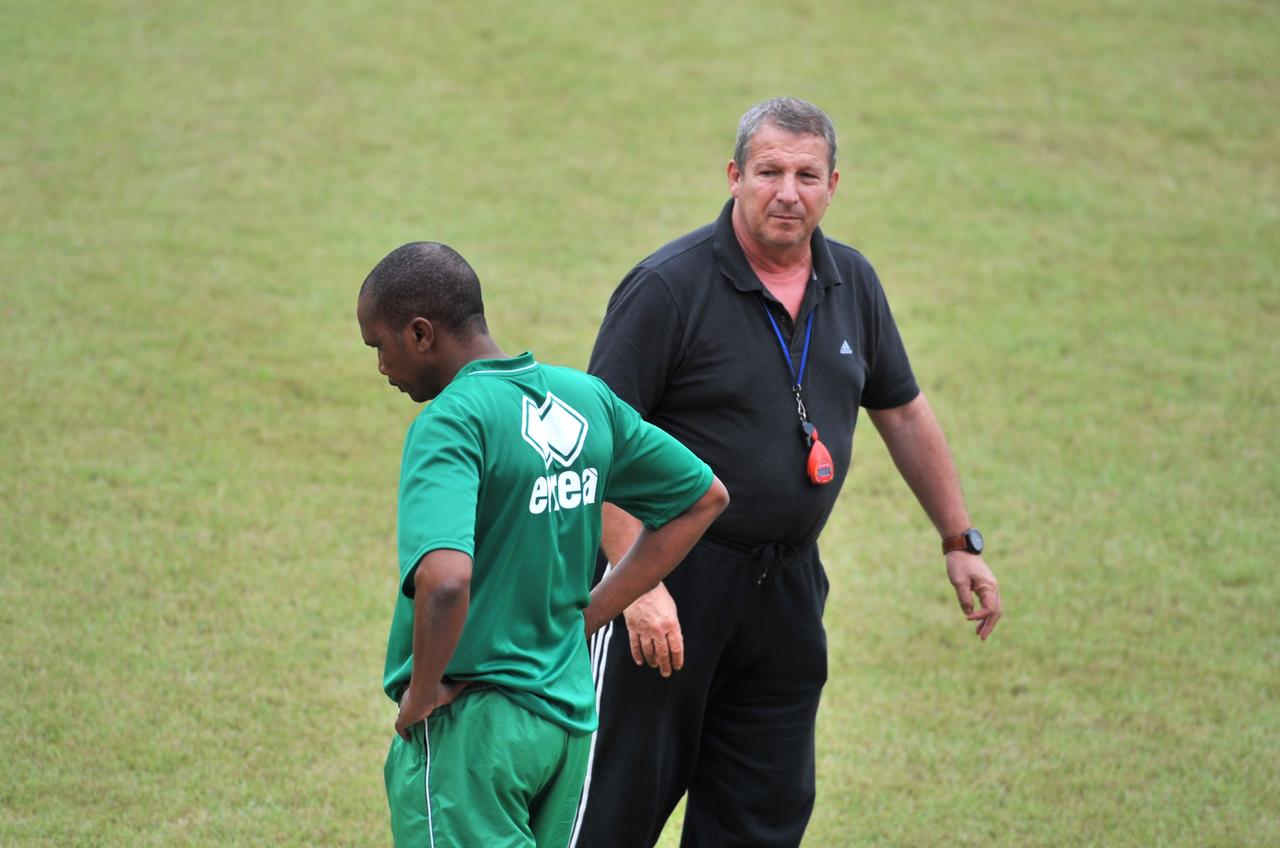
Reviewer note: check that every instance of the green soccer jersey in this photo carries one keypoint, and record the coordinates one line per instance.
(510, 464)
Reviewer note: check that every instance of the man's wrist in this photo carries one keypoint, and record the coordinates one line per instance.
(970, 541)
(423, 689)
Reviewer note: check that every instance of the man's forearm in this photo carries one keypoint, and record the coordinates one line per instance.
(919, 450)
(618, 532)
(442, 595)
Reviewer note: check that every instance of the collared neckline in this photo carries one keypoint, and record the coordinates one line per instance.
(498, 367)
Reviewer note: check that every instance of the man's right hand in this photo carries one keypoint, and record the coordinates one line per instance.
(655, 631)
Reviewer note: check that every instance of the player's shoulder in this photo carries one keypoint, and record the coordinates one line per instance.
(674, 257)
(568, 379)
(667, 278)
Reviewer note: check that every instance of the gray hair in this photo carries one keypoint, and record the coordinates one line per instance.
(788, 113)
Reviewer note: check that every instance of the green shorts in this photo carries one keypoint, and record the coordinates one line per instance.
(488, 772)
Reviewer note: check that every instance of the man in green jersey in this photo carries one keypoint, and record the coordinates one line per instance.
(501, 486)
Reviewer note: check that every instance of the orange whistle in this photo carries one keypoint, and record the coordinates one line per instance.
(820, 468)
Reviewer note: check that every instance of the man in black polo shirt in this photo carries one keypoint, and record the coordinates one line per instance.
(754, 341)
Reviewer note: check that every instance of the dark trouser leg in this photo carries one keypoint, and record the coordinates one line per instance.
(648, 741)
(754, 781)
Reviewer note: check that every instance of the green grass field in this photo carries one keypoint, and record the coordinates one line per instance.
(1075, 208)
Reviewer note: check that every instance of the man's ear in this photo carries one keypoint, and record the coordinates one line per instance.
(421, 333)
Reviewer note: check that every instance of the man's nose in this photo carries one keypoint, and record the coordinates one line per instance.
(382, 366)
(787, 189)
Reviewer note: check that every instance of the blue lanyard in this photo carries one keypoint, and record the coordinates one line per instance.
(818, 465)
(786, 352)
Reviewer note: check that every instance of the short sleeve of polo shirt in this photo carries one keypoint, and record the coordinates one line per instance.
(639, 339)
(654, 477)
(439, 485)
(890, 381)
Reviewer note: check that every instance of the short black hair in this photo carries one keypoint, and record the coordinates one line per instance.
(429, 280)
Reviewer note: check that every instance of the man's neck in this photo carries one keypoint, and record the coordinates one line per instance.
(482, 346)
(785, 275)
(478, 346)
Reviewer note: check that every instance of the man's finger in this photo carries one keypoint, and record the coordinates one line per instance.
(650, 652)
(661, 656)
(664, 664)
(964, 596)
(675, 641)
(984, 629)
(986, 619)
(988, 596)
(636, 653)
(989, 614)
(664, 658)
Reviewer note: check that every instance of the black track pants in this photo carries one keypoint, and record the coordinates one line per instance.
(734, 728)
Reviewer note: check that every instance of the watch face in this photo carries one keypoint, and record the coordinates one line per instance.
(974, 539)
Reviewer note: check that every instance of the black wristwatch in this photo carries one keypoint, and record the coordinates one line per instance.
(970, 540)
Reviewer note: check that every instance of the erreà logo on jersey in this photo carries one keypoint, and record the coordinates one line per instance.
(557, 432)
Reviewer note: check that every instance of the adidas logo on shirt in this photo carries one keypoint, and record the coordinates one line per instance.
(845, 350)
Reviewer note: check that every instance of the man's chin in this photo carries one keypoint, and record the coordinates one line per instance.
(788, 237)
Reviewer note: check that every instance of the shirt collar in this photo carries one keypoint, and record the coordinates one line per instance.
(522, 362)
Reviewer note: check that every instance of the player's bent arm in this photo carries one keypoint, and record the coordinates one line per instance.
(652, 557)
(442, 594)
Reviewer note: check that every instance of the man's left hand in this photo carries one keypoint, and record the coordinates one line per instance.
(970, 576)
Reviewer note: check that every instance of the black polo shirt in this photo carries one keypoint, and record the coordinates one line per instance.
(685, 340)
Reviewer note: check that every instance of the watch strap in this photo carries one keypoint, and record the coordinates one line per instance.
(970, 540)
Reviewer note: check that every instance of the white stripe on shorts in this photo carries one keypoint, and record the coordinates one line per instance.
(426, 785)
(599, 653)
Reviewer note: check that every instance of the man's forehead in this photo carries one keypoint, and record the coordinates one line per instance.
(369, 325)
(776, 143)
(365, 309)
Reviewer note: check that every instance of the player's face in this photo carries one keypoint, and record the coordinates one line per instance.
(783, 189)
(399, 357)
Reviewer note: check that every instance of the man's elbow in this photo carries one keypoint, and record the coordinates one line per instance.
(716, 498)
(444, 577)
